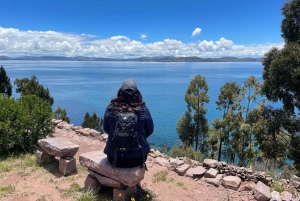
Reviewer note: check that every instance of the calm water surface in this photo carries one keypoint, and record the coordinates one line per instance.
(82, 87)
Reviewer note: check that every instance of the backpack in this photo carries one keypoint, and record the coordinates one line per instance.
(125, 136)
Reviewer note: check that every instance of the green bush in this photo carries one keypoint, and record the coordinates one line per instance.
(23, 122)
(60, 113)
(93, 122)
(188, 152)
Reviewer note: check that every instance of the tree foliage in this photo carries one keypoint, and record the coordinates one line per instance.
(281, 83)
(193, 126)
(60, 113)
(290, 26)
(23, 122)
(93, 122)
(32, 86)
(5, 85)
(227, 102)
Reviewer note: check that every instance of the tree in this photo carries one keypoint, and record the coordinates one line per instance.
(27, 86)
(23, 122)
(60, 113)
(227, 102)
(245, 147)
(290, 26)
(93, 122)
(5, 85)
(281, 81)
(193, 125)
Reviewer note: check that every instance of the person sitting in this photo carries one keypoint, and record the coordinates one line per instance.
(128, 100)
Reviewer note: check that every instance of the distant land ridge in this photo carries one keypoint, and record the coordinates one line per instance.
(140, 59)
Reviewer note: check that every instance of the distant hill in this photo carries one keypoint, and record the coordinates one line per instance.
(141, 59)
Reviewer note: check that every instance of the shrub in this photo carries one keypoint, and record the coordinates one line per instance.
(93, 122)
(188, 152)
(23, 122)
(60, 113)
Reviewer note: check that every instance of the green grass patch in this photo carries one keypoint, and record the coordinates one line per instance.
(181, 184)
(142, 195)
(160, 176)
(88, 195)
(4, 190)
(5, 167)
(74, 188)
(278, 186)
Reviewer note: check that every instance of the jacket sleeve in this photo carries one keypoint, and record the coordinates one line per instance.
(106, 126)
(149, 126)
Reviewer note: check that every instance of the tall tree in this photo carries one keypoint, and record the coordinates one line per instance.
(281, 77)
(250, 93)
(5, 85)
(227, 102)
(193, 125)
(60, 113)
(32, 86)
(93, 122)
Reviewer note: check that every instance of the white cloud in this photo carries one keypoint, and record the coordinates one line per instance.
(196, 32)
(143, 36)
(15, 42)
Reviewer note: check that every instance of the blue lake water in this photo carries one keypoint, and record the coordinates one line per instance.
(82, 87)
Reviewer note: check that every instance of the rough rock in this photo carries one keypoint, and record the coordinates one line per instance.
(181, 170)
(261, 192)
(214, 181)
(195, 172)
(67, 165)
(58, 146)
(174, 163)
(91, 182)
(103, 137)
(286, 196)
(188, 161)
(56, 121)
(43, 157)
(105, 181)
(247, 186)
(210, 163)
(161, 161)
(275, 196)
(97, 161)
(211, 173)
(232, 182)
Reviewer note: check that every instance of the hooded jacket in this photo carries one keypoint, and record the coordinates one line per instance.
(145, 128)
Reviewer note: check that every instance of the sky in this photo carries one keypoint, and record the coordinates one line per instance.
(140, 28)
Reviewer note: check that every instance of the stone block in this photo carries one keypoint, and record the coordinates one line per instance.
(105, 181)
(210, 163)
(161, 161)
(67, 165)
(211, 173)
(181, 170)
(195, 172)
(214, 181)
(232, 182)
(261, 192)
(97, 161)
(43, 157)
(123, 194)
(59, 147)
(91, 182)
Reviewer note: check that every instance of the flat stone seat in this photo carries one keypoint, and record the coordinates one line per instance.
(58, 147)
(98, 162)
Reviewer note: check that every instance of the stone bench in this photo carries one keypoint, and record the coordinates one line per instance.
(58, 147)
(124, 181)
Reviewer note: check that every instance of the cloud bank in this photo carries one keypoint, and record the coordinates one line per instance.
(15, 42)
(196, 32)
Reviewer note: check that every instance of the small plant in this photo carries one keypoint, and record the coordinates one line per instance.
(141, 195)
(5, 167)
(278, 186)
(160, 176)
(74, 187)
(88, 195)
(181, 184)
(188, 152)
(4, 190)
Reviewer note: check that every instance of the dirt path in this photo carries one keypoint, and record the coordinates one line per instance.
(32, 184)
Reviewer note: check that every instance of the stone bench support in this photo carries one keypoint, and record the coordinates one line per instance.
(124, 181)
(58, 147)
